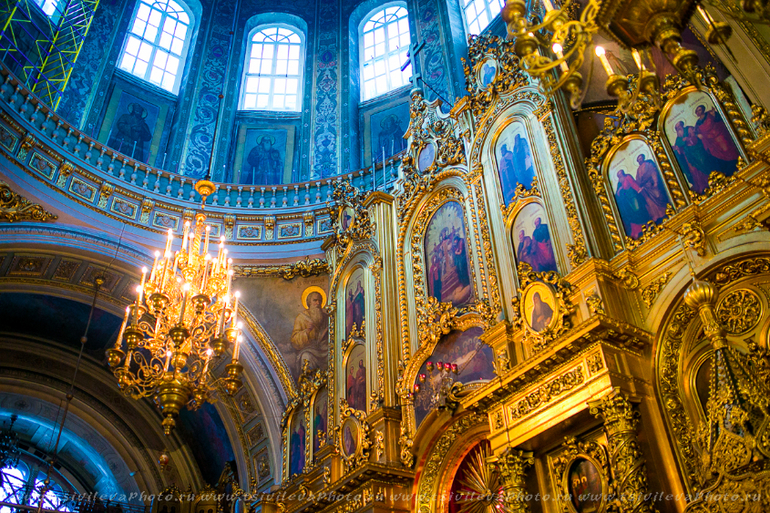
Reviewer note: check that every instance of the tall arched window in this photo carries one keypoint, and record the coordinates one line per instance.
(384, 41)
(157, 42)
(480, 13)
(273, 72)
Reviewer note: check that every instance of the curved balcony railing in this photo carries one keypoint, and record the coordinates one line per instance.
(101, 177)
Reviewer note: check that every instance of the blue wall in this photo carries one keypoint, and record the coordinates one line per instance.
(324, 139)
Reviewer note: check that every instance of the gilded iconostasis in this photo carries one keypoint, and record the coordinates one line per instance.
(524, 300)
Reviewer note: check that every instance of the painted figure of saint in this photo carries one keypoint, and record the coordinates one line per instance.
(265, 163)
(356, 386)
(652, 188)
(354, 307)
(310, 334)
(131, 132)
(543, 255)
(525, 171)
(541, 313)
(448, 272)
(319, 419)
(631, 204)
(695, 161)
(297, 448)
(390, 137)
(711, 130)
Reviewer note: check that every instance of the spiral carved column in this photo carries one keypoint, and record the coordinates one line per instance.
(628, 466)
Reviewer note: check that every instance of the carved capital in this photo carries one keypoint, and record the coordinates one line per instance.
(513, 465)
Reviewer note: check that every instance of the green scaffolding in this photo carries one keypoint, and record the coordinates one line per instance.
(42, 48)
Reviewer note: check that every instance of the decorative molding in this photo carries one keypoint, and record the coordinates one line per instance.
(303, 269)
(15, 208)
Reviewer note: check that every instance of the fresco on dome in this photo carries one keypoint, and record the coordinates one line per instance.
(204, 432)
(133, 127)
(319, 418)
(639, 188)
(262, 156)
(297, 443)
(387, 128)
(293, 315)
(355, 302)
(514, 160)
(355, 378)
(532, 239)
(474, 360)
(701, 140)
(446, 256)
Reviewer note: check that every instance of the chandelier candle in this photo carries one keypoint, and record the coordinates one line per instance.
(178, 325)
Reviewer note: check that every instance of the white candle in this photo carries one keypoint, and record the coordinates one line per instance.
(221, 326)
(557, 49)
(206, 243)
(235, 308)
(237, 350)
(184, 235)
(548, 5)
(119, 342)
(603, 58)
(186, 289)
(205, 278)
(168, 360)
(638, 59)
(154, 267)
(168, 242)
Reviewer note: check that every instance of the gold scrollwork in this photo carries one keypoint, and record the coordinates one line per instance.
(547, 393)
(739, 311)
(303, 268)
(14, 207)
(350, 218)
(651, 291)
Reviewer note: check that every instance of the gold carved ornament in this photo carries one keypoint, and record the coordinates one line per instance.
(558, 291)
(629, 470)
(15, 207)
(349, 218)
(573, 451)
(303, 268)
(363, 442)
(735, 438)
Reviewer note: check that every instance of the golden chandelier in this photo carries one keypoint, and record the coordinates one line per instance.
(552, 49)
(184, 316)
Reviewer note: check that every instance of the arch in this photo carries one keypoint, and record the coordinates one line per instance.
(157, 42)
(383, 40)
(273, 68)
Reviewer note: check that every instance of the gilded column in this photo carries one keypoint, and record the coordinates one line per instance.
(512, 465)
(628, 466)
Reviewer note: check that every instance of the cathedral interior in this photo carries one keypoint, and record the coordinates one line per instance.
(434, 256)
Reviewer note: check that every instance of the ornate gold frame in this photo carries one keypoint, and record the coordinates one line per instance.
(574, 450)
(363, 441)
(560, 321)
(679, 92)
(673, 186)
(356, 338)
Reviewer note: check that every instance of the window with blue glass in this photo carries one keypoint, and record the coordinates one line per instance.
(479, 14)
(157, 43)
(272, 78)
(384, 42)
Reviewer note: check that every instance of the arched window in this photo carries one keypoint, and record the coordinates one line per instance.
(480, 13)
(50, 8)
(273, 72)
(157, 43)
(384, 41)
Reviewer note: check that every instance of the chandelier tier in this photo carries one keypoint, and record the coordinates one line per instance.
(9, 445)
(184, 317)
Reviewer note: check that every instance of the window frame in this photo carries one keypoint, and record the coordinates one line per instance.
(300, 77)
(182, 56)
(389, 53)
(491, 17)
